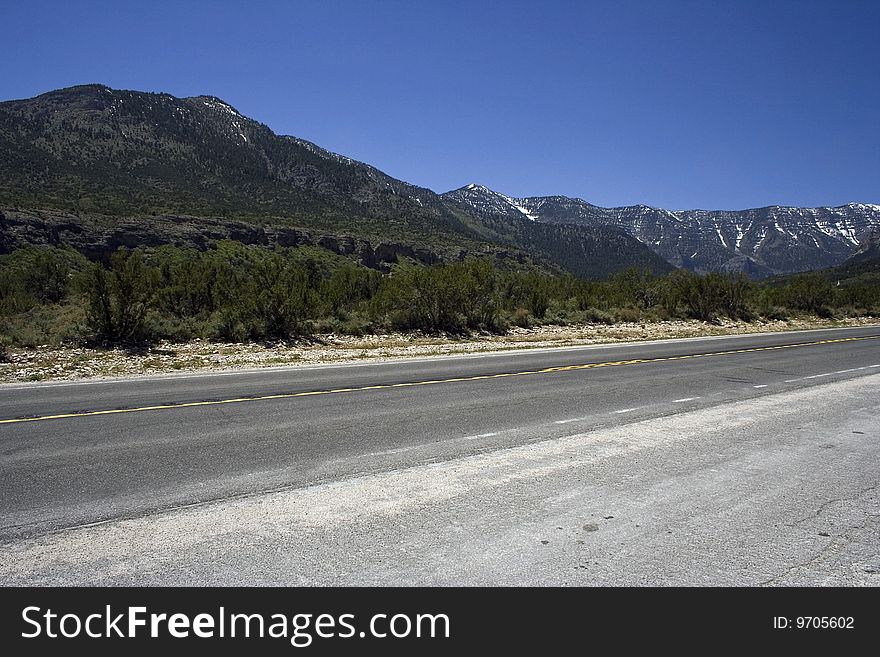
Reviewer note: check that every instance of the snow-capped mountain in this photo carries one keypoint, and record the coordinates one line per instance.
(94, 168)
(487, 202)
(760, 241)
(869, 248)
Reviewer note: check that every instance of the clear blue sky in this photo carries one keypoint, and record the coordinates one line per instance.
(674, 104)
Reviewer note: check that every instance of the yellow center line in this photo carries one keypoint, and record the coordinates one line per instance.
(386, 386)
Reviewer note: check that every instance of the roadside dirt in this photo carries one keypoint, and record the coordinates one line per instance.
(49, 363)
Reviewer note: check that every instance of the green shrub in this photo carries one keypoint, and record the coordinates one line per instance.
(187, 285)
(36, 275)
(810, 293)
(283, 298)
(655, 314)
(236, 293)
(48, 277)
(347, 287)
(45, 324)
(442, 299)
(118, 299)
(521, 317)
(627, 314)
(596, 316)
(775, 313)
(227, 325)
(632, 288)
(714, 294)
(736, 294)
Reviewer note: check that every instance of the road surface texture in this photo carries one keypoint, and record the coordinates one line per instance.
(740, 460)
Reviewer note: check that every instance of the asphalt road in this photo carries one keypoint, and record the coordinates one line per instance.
(639, 463)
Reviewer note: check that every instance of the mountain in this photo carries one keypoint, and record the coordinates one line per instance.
(862, 269)
(92, 148)
(760, 242)
(97, 167)
(858, 276)
(588, 251)
(869, 250)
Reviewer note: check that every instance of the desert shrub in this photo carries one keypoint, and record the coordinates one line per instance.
(356, 325)
(776, 313)
(14, 295)
(669, 292)
(631, 288)
(538, 299)
(627, 314)
(46, 324)
(37, 275)
(47, 276)
(810, 293)
(423, 299)
(702, 296)
(187, 284)
(596, 316)
(283, 298)
(347, 287)
(655, 314)
(14, 298)
(178, 329)
(451, 298)
(236, 293)
(858, 294)
(521, 317)
(736, 294)
(228, 325)
(118, 299)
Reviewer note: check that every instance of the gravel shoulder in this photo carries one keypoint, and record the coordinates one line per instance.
(68, 363)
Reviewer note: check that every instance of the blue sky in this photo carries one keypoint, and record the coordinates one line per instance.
(674, 104)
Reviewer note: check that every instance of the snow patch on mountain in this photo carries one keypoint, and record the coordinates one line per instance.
(218, 105)
(482, 199)
(776, 239)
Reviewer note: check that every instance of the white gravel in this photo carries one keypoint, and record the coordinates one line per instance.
(48, 363)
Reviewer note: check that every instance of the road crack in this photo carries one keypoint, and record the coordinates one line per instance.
(836, 542)
(826, 504)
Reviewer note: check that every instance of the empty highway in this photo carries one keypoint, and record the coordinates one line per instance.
(727, 460)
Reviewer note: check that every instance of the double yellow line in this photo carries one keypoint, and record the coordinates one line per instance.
(387, 386)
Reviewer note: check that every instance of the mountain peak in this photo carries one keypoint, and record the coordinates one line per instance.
(475, 188)
(218, 104)
(488, 201)
(90, 86)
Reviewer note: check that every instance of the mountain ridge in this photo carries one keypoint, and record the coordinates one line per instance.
(96, 155)
(515, 199)
(759, 241)
(93, 150)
